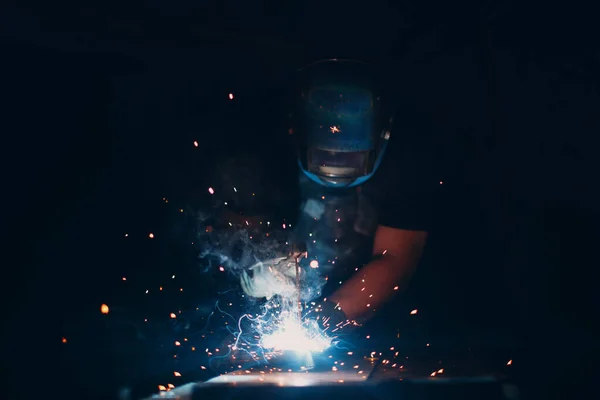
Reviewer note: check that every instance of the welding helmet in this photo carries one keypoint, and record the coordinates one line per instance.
(338, 122)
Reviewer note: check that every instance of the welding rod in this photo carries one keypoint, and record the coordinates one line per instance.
(298, 288)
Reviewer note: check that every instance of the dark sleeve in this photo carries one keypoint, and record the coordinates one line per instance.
(406, 187)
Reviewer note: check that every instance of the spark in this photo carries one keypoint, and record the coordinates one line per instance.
(281, 326)
(334, 129)
(195, 143)
(230, 96)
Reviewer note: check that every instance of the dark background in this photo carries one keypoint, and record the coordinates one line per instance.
(102, 103)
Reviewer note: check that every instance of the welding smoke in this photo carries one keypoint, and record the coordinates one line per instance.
(261, 262)
(259, 256)
(237, 250)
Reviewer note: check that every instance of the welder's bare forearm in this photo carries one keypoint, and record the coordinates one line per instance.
(396, 255)
(373, 286)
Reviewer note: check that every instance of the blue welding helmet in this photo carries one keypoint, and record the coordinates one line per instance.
(338, 123)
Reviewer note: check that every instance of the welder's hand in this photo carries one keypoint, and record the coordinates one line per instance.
(332, 318)
(272, 277)
(267, 282)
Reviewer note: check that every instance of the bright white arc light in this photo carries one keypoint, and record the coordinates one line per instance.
(292, 336)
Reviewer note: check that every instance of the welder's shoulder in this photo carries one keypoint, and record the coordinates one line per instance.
(405, 195)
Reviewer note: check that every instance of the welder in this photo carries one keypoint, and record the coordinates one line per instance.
(364, 217)
(342, 128)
